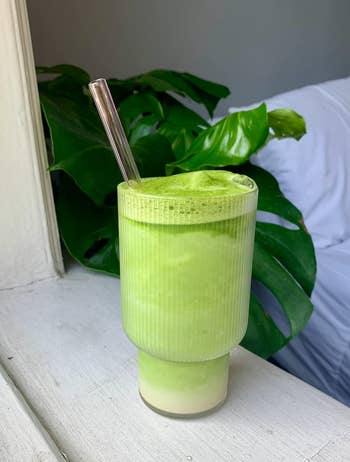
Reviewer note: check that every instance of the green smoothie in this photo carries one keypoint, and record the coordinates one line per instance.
(186, 246)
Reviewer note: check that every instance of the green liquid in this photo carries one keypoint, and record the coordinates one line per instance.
(186, 246)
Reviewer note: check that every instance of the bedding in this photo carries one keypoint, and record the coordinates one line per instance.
(314, 174)
(320, 355)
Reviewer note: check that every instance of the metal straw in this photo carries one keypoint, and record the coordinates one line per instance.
(114, 129)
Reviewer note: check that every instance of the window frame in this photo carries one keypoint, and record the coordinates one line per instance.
(30, 245)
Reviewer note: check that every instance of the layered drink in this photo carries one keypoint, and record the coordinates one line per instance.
(186, 248)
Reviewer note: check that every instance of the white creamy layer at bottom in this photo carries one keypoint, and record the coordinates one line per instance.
(178, 402)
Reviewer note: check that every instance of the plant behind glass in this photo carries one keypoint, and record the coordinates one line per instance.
(167, 137)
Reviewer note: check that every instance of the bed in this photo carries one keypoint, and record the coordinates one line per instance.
(314, 174)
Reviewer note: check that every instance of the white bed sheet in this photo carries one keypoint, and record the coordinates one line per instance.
(318, 164)
(320, 355)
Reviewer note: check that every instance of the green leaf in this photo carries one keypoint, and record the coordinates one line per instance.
(271, 198)
(294, 301)
(284, 261)
(80, 146)
(120, 89)
(181, 116)
(63, 86)
(209, 92)
(263, 336)
(163, 81)
(181, 126)
(210, 88)
(229, 142)
(143, 127)
(286, 123)
(152, 153)
(99, 184)
(136, 105)
(292, 248)
(89, 232)
(184, 84)
(74, 72)
(180, 138)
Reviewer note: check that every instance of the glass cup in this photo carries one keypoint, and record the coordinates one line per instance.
(185, 267)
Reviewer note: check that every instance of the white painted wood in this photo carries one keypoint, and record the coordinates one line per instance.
(78, 371)
(29, 242)
(22, 437)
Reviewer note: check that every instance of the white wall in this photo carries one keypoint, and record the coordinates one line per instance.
(256, 47)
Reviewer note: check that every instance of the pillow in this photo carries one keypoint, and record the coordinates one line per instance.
(314, 173)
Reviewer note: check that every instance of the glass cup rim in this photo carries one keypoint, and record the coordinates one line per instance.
(195, 209)
(134, 191)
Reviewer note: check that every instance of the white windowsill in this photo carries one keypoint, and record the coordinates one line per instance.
(62, 343)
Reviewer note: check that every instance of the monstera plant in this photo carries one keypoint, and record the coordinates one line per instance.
(167, 137)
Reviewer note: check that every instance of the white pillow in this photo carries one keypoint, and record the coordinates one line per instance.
(314, 173)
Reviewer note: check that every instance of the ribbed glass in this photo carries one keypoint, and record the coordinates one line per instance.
(185, 271)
